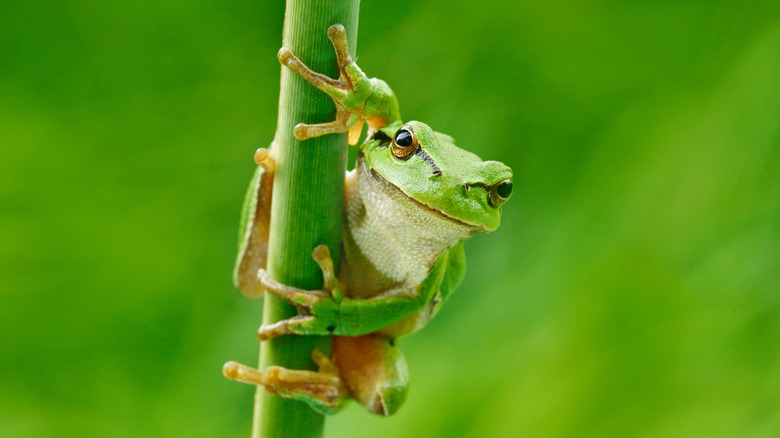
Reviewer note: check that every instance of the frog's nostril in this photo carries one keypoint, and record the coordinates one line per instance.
(500, 192)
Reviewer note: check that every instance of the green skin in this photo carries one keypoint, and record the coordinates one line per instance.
(412, 200)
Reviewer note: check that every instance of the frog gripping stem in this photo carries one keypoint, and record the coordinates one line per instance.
(303, 300)
(350, 93)
(324, 389)
(387, 287)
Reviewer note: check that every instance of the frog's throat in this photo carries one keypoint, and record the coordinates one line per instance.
(433, 211)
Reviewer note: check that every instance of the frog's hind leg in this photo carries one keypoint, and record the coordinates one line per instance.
(323, 390)
(256, 217)
(374, 371)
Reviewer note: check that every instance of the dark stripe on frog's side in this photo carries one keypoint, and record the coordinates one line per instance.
(467, 186)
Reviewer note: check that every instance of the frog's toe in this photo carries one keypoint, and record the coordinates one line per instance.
(304, 131)
(321, 255)
(338, 36)
(263, 158)
(285, 55)
(337, 33)
(294, 325)
(297, 325)
(302, 299)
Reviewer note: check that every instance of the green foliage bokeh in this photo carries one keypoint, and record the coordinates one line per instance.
(633, 288)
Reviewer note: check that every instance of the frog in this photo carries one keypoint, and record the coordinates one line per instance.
(411, 201)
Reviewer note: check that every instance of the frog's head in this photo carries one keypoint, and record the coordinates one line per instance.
(428, 168)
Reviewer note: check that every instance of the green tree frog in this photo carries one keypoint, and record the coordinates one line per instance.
(410, 202)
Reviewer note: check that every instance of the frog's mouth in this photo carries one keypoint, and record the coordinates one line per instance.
(379, 178)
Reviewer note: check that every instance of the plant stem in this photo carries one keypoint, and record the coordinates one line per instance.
(307, 203)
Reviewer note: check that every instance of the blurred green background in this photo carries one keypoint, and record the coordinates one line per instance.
(632, 290)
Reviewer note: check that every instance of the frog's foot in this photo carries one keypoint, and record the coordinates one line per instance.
(324, 390)
(350, 92)
(304, 300)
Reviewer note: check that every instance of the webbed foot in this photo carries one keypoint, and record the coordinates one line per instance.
(324, 390)
(350, 92)
(323, 323)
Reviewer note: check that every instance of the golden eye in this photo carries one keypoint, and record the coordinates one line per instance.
(404, 142)
(500, 192)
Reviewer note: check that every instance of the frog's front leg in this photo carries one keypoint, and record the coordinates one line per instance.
(304, 300)
(357, 97)
(328, 312)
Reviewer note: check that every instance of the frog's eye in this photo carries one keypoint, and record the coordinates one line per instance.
(404, 142)
(500, 192)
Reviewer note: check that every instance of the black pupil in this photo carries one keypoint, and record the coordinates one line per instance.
(403, 138)
(504, 189)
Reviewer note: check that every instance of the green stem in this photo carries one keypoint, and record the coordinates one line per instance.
(307, 203)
